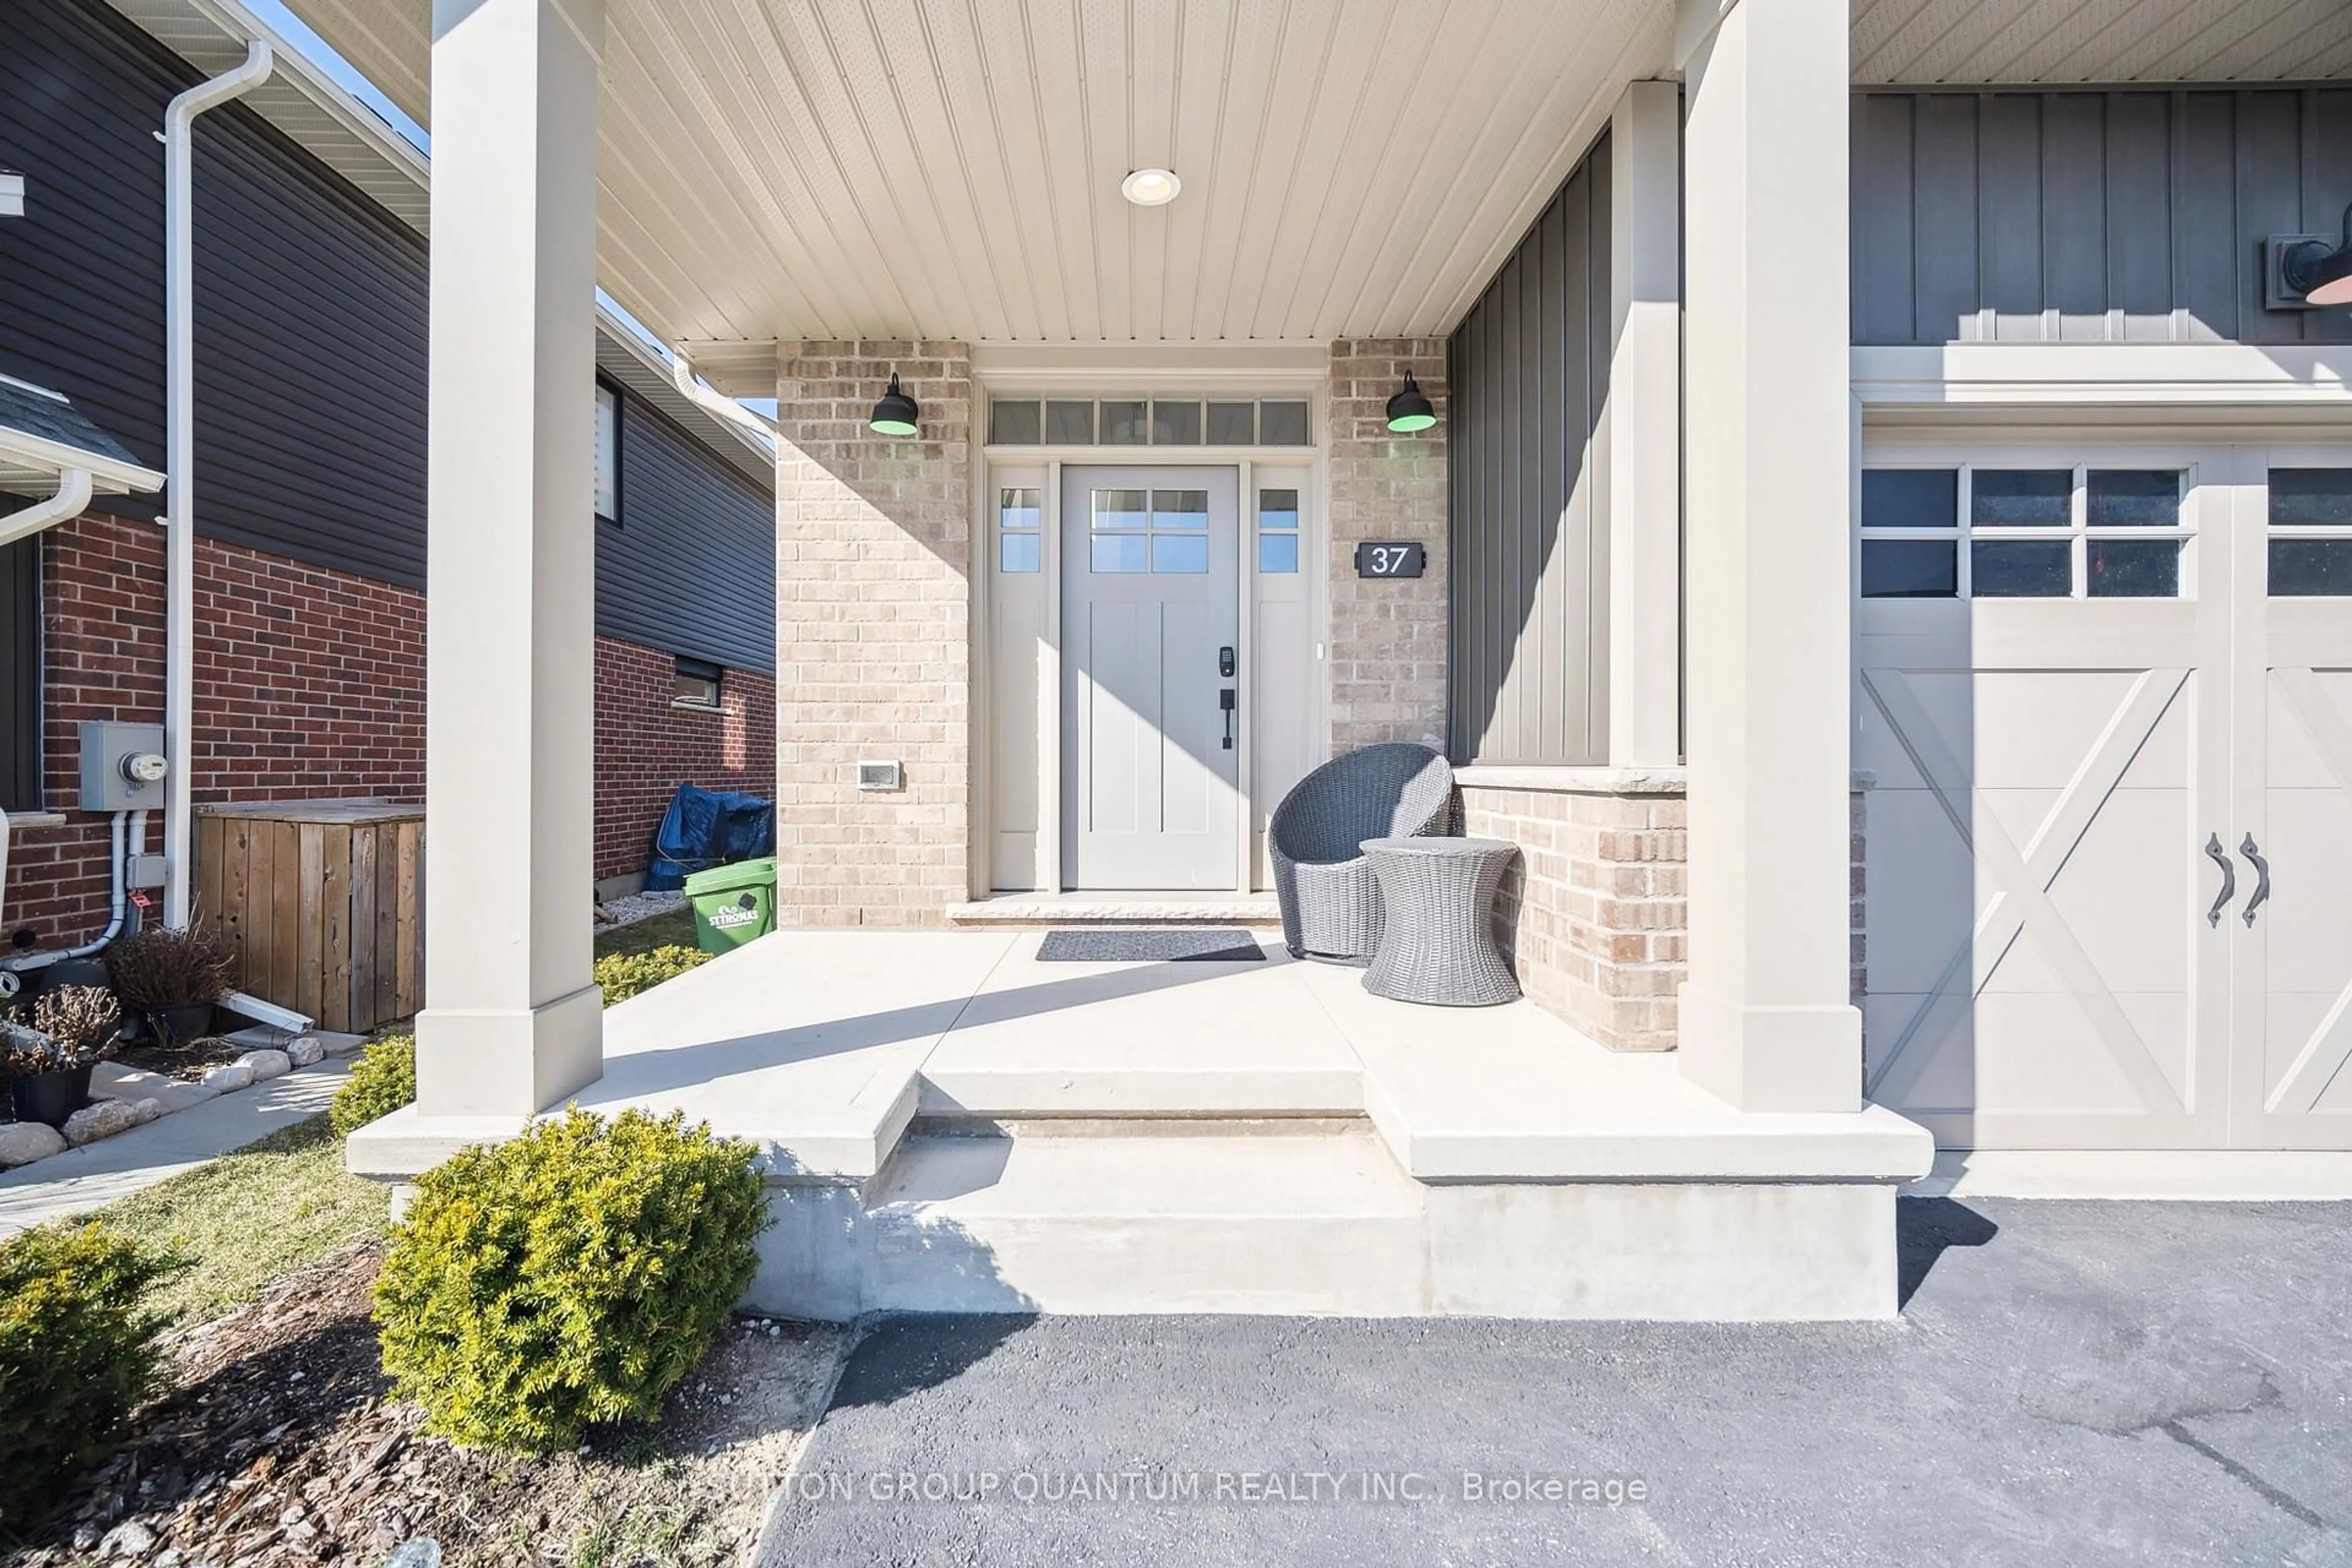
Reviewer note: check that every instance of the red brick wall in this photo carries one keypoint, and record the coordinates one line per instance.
(311, 684)
(647, 746)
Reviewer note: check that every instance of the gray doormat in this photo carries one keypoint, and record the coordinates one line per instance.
(1182, 946)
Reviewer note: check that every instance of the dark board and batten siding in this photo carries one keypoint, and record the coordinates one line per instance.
(1528, 371)
(311, 339)
(2068, 215)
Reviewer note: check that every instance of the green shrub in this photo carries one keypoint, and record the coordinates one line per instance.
(383, 1081)
(77, 1352)
(565, 1278)
(623, 975)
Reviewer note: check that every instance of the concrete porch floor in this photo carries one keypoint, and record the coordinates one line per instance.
(1161, 1107)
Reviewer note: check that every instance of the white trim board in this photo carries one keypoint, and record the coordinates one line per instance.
(2141, 376)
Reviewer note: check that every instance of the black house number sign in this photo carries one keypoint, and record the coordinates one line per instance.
(1388, 558)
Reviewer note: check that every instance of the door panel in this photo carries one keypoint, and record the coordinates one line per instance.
(2292, 976)
(1150, 786)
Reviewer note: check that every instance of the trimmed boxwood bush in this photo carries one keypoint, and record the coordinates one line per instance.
(77, 1352)
(382, 1081)
(566, 1278)
(624, 974)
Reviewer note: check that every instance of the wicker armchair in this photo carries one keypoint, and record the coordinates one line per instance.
(1330, 904)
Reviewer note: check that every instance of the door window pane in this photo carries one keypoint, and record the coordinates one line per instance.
(2311, 568)
(2310, 498)
(2132, 498)
(1120, 553)
(1910, 498)
(2133, 568)
(2022, 569)
(1175, 424)
(1233, 424)
(1013, 423)
(2022, 497)
(1181, 552)
(1017, 552)
(1909, 568)
(1125, 423)
(1282, 424)
(1278, 553)
(1122, 509)
(1070, 423)
(1179, 509)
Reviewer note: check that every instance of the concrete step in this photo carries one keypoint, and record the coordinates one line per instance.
(1306, 1218)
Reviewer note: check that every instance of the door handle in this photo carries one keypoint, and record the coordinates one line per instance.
(2221, 857)
(2261, 876)
(1225, 701)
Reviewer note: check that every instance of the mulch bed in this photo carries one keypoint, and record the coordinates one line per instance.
(278, 1444)
(188, 1062)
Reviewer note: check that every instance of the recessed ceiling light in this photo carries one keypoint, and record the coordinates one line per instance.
(1151, 187)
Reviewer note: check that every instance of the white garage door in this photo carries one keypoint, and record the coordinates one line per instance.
(2106, 693)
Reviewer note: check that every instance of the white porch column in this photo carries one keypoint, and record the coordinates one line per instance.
(1643, 427)
(513, 1023)
(1766, 1022)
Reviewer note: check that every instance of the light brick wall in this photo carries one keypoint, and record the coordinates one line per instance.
(1388, 638)
(647, 745)
(873, 646)
(1594, 913)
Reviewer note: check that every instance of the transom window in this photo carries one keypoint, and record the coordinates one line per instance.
(2310, 533)
(1967, 531)
(1148, 422)
(1150, 530)
(1277, 530)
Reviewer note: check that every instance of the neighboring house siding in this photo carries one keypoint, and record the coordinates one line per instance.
(2071, 215)
(1529, 369)
(311, 308)
(645, 742)
(692, 566)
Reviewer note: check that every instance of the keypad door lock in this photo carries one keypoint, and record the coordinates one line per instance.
(1225, 662)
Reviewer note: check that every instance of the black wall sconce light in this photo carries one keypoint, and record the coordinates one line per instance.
(895, 414)
(2309, 271)
(1410, 410)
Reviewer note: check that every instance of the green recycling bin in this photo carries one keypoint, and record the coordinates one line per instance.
(732, 904)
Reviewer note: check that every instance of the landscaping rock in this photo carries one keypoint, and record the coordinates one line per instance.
(304, 1049)
(129, 1539)
(104, 1119)
(146, 1110)
(22, 1142)
(266, 1064)
(236, 1075)
(177, 1096)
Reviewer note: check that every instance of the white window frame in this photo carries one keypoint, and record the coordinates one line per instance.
(1963, 462)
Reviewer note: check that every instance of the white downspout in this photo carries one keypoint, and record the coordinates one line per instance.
(681, 373)
(180, 536)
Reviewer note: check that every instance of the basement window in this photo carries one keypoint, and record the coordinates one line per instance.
(697, 684)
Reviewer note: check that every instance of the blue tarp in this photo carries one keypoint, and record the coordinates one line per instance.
(703, 828)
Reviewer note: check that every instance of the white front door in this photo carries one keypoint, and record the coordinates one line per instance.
(2108, 696)
(1151, 687)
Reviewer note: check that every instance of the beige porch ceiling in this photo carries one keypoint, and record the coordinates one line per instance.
(949, 168)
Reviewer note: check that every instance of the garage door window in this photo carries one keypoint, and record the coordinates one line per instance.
(1964, 532)
(2311, 532)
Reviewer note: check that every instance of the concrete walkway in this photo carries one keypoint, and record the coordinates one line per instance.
(96, 1174)
(2072, 1383)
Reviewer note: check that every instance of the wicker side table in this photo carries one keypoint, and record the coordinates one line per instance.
(1437, 941)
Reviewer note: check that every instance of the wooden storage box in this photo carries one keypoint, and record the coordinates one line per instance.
(325, 902)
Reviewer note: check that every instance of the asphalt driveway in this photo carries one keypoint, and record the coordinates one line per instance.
(2071, 1384)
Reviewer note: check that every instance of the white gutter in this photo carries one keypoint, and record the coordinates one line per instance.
(180, 460)
(681, 371)
(72, 497)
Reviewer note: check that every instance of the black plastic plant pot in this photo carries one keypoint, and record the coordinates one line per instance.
(50, 1096)
(180, 1023)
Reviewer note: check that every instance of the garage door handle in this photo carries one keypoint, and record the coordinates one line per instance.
(2262, 878)
(2221, 857)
